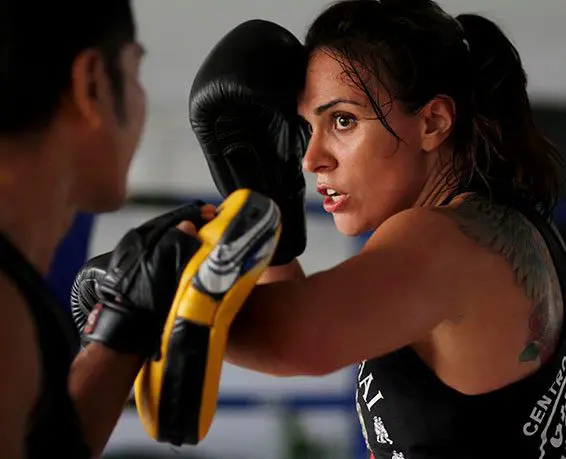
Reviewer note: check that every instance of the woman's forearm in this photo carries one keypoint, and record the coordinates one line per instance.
(249, 327)
(100, 384)
(260, 335)
(291, 271)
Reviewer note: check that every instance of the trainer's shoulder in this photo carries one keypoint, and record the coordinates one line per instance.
(18, 350)
(16, 327)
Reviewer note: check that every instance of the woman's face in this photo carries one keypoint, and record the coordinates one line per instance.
(364, 172)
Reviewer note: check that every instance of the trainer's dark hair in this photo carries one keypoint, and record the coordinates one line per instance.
(39, 42)
(417, 52)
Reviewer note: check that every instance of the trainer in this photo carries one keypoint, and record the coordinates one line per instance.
(72, 110)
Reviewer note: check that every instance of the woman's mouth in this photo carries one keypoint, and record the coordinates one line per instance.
(333, 200)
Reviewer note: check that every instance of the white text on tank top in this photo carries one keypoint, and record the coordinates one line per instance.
(546, 421)
(370, 395)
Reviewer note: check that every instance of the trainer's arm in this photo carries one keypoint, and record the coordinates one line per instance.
(389, 296)
(19, 379)
(101, 379)
(100, 384)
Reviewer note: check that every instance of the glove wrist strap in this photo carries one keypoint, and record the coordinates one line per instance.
(123, 330)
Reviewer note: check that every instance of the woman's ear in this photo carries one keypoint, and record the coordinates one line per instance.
(438, 118)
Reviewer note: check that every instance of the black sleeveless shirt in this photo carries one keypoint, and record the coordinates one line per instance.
(54, 428)
(407, 412)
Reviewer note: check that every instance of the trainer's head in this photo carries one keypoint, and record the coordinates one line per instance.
(69, 90)
(406, 102)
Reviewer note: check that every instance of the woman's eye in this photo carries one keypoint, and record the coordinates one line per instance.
(343, 122)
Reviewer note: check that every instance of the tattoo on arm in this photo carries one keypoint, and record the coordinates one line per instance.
(508, 233)
(543, 335)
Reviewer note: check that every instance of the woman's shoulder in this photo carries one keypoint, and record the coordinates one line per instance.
(473, 227)
(483, 231)
(473, 216)
(499, 227)
(487, 222)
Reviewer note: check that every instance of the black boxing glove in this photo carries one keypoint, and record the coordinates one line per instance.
(131, 289)
(243, 110)
(84, 294)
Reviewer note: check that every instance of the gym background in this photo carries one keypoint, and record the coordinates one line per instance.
(260, 416)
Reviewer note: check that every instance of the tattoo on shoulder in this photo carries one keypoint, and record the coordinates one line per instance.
(508, 233)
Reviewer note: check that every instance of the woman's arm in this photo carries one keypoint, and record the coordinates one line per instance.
(291, 271)
(390, 295)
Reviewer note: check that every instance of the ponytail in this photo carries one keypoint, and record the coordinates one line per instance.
(504, 149)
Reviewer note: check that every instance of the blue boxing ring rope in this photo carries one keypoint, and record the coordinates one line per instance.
(73, 252)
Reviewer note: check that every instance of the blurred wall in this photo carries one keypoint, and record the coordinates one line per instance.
(179, 33)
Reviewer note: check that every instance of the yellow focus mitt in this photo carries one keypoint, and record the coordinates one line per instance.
(176, 396)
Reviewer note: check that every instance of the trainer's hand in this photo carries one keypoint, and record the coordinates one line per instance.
(207, 213)
(243, 110)
(129, 291)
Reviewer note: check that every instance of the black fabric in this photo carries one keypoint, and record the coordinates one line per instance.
(54, 425)
(407, 412)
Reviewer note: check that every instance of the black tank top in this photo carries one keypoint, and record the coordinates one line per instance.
(54, 428)
(407, 412)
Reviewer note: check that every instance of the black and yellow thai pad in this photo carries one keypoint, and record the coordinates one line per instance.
(176, 396)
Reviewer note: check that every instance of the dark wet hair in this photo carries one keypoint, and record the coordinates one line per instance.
(39, 42)
(417, 52)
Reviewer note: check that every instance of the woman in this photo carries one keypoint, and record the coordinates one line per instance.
(422, 133)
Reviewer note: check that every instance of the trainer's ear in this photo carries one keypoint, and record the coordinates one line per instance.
(90, 90)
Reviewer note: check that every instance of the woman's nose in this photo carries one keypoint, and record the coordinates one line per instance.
(318, 157)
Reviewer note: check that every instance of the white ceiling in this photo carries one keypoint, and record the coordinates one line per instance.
(179, 33)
